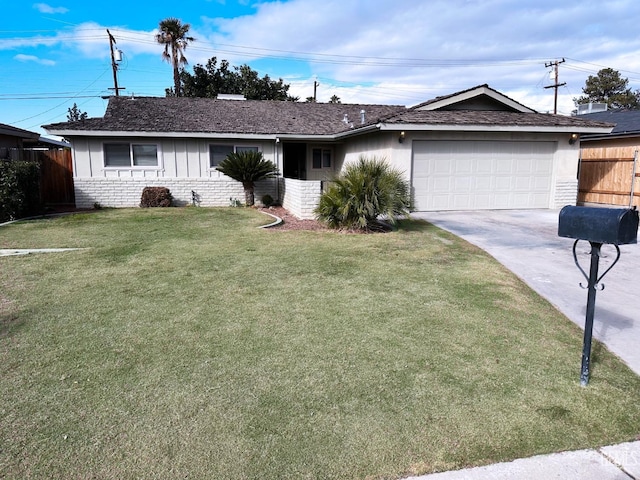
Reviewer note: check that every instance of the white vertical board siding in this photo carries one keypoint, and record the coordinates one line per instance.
(481, 175)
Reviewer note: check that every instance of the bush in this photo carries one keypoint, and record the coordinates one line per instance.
(247, 167)
(19, 189)
(365, 191)
(267, 200)
(156, 197)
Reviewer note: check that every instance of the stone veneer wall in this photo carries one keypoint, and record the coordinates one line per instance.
(566, 193)
(300, 197)
(126, 192)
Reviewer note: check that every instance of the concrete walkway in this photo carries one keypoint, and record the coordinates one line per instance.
(617, 462)
(527, 243)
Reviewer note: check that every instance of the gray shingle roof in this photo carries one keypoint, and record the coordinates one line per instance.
(627, 122)
(262, 117)
(205, 115)
(474, 117)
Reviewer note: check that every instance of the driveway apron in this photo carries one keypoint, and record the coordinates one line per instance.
(527, 243)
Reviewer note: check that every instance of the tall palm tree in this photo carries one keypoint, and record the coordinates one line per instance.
(173, 35)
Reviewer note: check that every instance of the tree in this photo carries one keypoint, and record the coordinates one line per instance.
(365, 191)
(334, 99)
(610, 88)
(74, 114)
(173, 35)
(248, 167)
(212, 79)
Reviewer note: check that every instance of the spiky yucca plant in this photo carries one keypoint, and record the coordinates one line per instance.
(365, 191)
(248, 167)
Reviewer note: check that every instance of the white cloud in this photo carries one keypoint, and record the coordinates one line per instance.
(44, 8)
(441, 46)
(32, 58)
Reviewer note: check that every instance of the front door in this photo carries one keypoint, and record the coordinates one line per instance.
(294, 160)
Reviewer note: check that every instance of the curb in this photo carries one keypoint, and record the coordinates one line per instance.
(277, 220)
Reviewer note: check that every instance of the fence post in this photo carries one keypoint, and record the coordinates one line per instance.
(633, 178)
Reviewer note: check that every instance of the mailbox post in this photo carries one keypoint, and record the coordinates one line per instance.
(598, 226)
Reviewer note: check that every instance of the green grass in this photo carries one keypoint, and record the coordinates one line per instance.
(187, 343)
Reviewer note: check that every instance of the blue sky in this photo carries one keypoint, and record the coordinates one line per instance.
(404, 52)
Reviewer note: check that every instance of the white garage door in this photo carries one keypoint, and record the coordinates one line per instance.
(481, 175)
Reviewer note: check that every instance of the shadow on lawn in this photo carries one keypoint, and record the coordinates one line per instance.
(9, 324)
(414, 225)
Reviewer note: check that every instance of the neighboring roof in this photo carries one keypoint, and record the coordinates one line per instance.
(627, 122)
(44, 142)
(17, 132)
(480, 108)
(206, 115)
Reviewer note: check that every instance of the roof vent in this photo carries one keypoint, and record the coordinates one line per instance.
(592, 108)
(230, 96)
(345, 119)
(362, 116)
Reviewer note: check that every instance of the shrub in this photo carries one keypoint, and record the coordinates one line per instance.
(365, 191)
(267, 200)
(19, 189)
(247, 167)
(156, 197)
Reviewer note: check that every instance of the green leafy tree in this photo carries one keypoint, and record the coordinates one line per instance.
(212, 79)
(248, 167)
(19, 189)
(335, 99)
(365, 191)
(173, 34)
(74, 114)
(610, 88)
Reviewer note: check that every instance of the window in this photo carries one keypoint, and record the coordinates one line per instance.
(217, 153)
(130, 155)
(321, 158)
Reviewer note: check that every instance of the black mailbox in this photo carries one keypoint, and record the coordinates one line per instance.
(618, 226)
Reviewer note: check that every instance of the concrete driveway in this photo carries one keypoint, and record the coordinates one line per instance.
(527, 243)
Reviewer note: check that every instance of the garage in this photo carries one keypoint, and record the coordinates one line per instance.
(481, 174)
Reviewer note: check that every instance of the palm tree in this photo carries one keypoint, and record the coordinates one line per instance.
(248, 167)
(173, 35)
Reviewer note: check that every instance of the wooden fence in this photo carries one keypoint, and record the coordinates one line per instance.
(609, 175)
(56, 173)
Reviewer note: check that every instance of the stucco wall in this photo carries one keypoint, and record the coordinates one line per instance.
(564, 184)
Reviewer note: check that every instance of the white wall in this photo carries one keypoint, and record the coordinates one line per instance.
(564, 185)
(126, 192)
(183, 167)
(300, 197)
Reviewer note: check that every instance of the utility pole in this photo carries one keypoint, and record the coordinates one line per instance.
(555, 83)
(315, 87)
(114, 64)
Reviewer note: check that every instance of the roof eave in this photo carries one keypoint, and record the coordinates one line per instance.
(207, 135)
(494, 128)
(115, 133)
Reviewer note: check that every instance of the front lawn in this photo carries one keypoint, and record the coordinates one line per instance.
(187, 343)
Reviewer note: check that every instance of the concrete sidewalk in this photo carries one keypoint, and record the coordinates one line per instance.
(527, 243)
(617, 462)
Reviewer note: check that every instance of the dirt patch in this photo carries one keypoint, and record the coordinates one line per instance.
(291, 222)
